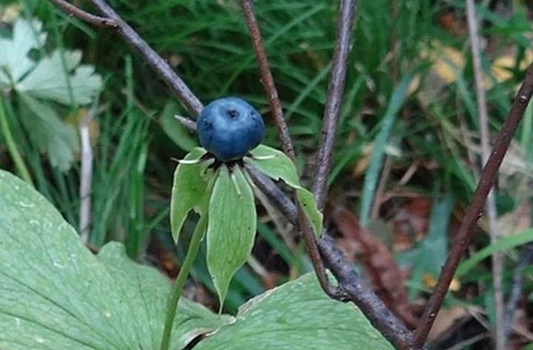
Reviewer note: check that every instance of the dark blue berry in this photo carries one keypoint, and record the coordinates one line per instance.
(229, 128)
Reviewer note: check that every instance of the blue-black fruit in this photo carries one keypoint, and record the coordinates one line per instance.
(229, 128)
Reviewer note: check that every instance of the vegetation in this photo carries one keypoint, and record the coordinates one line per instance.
(406, 159)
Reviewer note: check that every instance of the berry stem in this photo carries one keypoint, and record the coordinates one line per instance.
(181, 279)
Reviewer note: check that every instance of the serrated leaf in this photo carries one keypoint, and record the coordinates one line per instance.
(296, 316)
(189, 189)
(55, 294)
(49, 80)
(278, 166)
(174, 130)
(48, 132)
(14, 60)
(231, 227)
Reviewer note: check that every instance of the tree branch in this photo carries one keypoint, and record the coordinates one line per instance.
(84, 16)
(343, 44)
(156, 62)
(286, 143)
(267, 80)
(488, 177)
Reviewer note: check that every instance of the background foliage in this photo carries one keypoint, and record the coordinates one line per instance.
(409, 56)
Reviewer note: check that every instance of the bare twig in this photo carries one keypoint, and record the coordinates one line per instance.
(525, 260)
(488, 177)
(492, 215)
(86, 175)
(354, 286)
(343, 44)
(267, 80)
(84, 16)
(285, 139)
(156, 62)
(186, 122)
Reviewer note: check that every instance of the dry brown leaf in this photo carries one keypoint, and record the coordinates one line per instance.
(446, 318)
(377, 262)
(411, 223)
(516, 221)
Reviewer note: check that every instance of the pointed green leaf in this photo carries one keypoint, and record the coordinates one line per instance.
(275, 164)
(231, 228)
(55, 294)
(297, 316)
(174, 130)
(307, 201)
(188, 190)
(48, 132)
(278, 166)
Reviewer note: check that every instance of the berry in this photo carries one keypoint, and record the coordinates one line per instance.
(229, 128)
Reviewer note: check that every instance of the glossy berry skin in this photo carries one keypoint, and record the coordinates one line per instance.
(229, 128)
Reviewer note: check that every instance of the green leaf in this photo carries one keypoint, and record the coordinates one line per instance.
(55, 294)
(501, 245)
(278, 166)
(174, 130)
(296, 316)
(49, 80)
(389, 119)
(14, 60)
(189, 189)
(231, 228)
(275, 164)
(48, 132)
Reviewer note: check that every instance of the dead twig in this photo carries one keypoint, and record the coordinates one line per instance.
(286, 143)
(86, 176)
(488, 177)
(492, 215)
(156, 62)
(84, 16)
(343, 45)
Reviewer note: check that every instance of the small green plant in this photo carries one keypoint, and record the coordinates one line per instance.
(217, 187)
(38, 82)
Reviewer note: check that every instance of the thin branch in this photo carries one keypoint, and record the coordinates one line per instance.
(353, 285)
(267, 80)
(343, 44)
(191, 103)
(86, 175)
(286, 143)
(492, 215)
(488, 177)
(84, 16)
(525, 260)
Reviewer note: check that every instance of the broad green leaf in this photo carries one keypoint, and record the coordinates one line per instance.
(188, 190)
(231, 228)
(278, 166)
(55, 294)
(49, 81)
(48, 132)
(14, 59)
(297, 316)
(174, 130)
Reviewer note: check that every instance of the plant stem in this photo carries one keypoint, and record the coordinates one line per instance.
(180, 281)
(12, 147)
